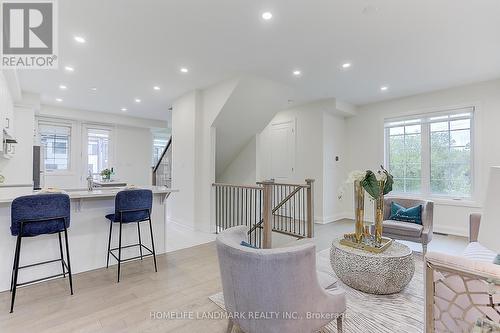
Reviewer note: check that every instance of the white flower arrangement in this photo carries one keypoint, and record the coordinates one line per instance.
(356, 175)
(370, 182)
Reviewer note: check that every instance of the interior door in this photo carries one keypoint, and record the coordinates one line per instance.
(283, 151)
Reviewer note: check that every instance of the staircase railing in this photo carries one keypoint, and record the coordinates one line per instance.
(265, 208)
(239, 205)
(162, 170)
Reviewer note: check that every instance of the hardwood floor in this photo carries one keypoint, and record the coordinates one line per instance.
(185, 280)
(183, 283)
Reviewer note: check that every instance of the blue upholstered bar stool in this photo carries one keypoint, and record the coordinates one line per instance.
(35, 215)
(131, 206)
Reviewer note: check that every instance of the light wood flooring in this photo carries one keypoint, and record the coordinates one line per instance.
(185, 280)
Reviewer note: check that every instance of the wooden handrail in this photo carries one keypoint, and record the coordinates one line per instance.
(283, 184)
(253, 187)
(257, 206)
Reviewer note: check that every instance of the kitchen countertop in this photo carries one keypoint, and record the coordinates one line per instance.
(7, 195)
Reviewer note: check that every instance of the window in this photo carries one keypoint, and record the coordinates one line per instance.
(56, 142)
(98, 142)
(432, 154)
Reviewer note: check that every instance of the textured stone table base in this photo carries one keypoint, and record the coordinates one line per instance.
(375, 273)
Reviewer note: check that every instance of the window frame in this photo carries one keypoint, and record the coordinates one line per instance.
(59, 123)
(425, 191)
(85, 137)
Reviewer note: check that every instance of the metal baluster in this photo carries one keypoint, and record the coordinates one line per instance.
(255, 209)
(293, 208)
(216, 209)
(305, 212)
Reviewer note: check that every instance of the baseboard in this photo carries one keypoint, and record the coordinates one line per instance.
(179, 224)
(451, 231)
(333, 218)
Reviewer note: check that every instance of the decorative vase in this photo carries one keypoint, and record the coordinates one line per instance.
(379, 213)
(359, 210)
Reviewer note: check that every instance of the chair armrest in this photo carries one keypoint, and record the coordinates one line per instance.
(474, 223)
(462, 264)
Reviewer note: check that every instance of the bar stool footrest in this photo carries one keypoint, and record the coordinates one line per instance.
(151, 253)
(44, 278)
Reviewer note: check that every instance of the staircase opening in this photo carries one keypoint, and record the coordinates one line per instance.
(162, 170)
(265, 208)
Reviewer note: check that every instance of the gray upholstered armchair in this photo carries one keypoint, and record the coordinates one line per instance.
(405, 230)
(281, 281)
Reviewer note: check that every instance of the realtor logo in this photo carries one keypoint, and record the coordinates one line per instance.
(29, 38)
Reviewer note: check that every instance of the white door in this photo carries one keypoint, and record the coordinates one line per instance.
(282, 151)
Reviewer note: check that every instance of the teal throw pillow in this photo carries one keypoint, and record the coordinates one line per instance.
(243, 243)
(400, 213)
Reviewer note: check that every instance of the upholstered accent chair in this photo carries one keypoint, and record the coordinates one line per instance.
(461, 289)
(281, 280)
(405, 230)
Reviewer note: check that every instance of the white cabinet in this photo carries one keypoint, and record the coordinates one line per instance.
(7, 148)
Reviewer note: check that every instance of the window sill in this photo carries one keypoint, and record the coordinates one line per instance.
(440, 201)
(60, 173)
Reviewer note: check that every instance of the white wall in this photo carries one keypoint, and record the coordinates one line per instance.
(242, 170)
(334, 172)
(131, 151)
(320, 136)
(366, 136)
(308, 161)
(182, 204)
(18, 169)
(133, 154)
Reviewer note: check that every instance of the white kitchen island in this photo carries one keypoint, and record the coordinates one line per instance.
(88, 234)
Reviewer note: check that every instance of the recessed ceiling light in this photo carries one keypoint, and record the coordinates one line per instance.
(79, 39)
(69, 68)
(384, 88)
(297, 72)
(124, 109)
(59, 100)
(184, 70)
(267, 16)
(156, 88)
(93, 89)
(346, 65)
(63, 87)
(137, 100)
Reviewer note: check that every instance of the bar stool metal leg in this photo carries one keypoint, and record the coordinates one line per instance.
(109, 242)
(140, 243)
(16, 269)
(16, 255)
(62, 257)
(120, 249)
(152, 240)
(67, 256)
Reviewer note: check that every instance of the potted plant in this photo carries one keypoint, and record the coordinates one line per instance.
(106, 174)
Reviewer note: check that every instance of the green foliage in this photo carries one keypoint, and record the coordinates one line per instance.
(370, 184)
(389, 182)
(450, 167)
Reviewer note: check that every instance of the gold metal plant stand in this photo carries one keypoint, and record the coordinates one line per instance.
(366, 244)
(361, 238)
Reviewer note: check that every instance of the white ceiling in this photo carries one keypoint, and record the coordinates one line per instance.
(412, 46)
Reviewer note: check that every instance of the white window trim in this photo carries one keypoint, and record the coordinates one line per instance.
(73, 138)
(425, 193)
(84, 147)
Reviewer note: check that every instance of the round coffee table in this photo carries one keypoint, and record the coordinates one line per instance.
(375, 273)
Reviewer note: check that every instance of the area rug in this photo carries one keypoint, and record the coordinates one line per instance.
(402, 312)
